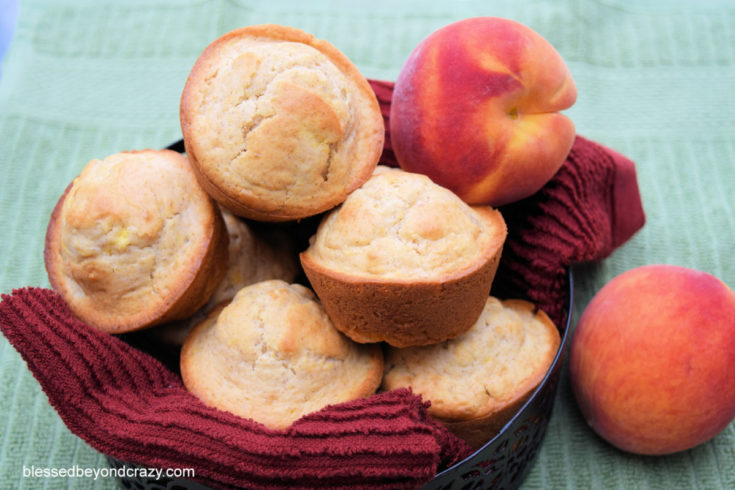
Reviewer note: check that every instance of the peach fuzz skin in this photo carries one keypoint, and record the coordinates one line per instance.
(476, 108)
(651, 360)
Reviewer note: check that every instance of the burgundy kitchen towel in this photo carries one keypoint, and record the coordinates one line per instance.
(128, 405)
(590, 207)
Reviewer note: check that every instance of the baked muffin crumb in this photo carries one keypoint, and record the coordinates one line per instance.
(135, 241)
(402, 225)
(404, 261)
(273, 355)
(476, 381)
(280, 125)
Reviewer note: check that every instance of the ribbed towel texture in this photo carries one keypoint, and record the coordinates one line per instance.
(590, 207)
(128, 405)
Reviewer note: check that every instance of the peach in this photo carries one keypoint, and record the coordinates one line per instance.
(476, 108)
(651, 359)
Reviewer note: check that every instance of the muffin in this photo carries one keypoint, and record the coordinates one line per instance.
(404, 261)
(272, 355)
(278, 124)
(478, 381)
(254, 255)
(134, 241)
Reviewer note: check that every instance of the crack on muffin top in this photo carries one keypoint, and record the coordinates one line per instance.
(275, 119)
(401, 225)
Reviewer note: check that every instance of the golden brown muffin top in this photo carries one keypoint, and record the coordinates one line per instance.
(273, 355)
(505, 354)
(280, 122)
(132, 228)
(400, 225)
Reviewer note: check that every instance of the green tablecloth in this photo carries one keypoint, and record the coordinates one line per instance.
(84, 79)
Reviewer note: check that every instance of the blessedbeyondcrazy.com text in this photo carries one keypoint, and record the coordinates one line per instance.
(125, 472)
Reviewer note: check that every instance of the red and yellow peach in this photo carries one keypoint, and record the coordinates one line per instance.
(476, 108)
(651, 360)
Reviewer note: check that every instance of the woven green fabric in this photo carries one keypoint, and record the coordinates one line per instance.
(84, 79)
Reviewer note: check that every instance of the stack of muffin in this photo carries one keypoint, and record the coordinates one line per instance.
(279, 126)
